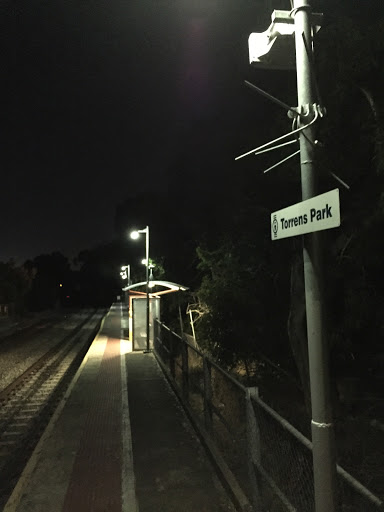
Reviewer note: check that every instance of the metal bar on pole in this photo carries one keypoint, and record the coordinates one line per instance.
(324, 462)
(285, 106)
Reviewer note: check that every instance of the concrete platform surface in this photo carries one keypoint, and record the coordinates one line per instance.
(119, 441)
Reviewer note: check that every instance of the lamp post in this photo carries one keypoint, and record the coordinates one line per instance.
(135, 235)
(301, 23)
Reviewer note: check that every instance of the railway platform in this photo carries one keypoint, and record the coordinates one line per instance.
(119, 441)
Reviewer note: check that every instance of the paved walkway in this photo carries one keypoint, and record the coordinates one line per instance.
(171, 468)
(119, 441)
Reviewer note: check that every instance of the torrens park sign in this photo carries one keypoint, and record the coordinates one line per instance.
(315, 214)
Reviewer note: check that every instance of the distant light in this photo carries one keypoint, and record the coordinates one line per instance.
(67, 296)
(135, 235)
(60, 285)
(144, 261)
(122, 268)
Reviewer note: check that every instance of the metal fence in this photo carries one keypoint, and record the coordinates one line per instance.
(270, 459)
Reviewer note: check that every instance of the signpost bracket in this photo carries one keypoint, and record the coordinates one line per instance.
(317, 113)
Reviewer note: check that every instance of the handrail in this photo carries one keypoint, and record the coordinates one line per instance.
(254, 399)
(283, 422)
(208, 358)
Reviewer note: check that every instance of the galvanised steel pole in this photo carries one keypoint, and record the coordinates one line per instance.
(324, 462)
(147, 279)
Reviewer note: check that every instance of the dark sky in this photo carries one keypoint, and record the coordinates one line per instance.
(97, 97)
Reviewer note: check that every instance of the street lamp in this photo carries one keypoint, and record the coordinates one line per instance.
(135, 235)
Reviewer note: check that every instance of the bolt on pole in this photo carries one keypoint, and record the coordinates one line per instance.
(324, 462)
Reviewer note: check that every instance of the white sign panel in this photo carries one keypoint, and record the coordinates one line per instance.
(315, 214)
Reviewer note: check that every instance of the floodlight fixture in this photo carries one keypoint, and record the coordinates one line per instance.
(275, 48)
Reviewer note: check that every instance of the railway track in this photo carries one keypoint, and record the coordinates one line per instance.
(27, 404)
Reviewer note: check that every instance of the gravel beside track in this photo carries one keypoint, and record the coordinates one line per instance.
(35, 371)
(20, 350)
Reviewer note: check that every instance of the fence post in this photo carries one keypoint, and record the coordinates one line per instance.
(171, 354)
(155, 333)
(185, 369)
(207, 395)
(254, 451)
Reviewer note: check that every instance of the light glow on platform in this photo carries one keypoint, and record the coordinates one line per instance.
(98, 346)
(125, 347)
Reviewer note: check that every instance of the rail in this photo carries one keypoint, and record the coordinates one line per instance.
(27, 403)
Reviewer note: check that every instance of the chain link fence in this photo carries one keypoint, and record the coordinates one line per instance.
(269, 458)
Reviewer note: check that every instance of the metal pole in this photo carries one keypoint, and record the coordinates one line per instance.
(128, 283)
(322, 426)
(147, 279)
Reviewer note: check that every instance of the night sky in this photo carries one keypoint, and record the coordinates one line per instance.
(103, 99)
(97, 99)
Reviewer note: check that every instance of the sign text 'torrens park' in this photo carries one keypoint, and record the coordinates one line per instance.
(315, 214)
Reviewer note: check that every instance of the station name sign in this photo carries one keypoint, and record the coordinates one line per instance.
(315, 214)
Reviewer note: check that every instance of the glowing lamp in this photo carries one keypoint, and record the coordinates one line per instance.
(135, 235)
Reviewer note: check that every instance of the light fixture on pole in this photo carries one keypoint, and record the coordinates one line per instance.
(135, 235)
(126, 273)
(274, 49)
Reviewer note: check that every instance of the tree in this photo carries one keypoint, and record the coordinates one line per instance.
(51, 271)
(242, 290)
(15, 283)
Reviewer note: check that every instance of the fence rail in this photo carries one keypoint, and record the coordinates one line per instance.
(270, 459)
